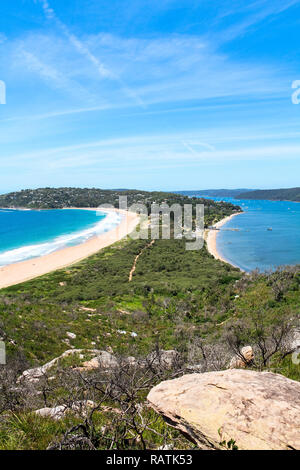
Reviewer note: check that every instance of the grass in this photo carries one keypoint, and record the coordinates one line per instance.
(175, 297)
(37, 314)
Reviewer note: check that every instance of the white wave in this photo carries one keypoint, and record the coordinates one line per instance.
(111, 220)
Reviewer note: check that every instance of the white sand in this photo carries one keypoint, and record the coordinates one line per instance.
(29, 269)
(211, 240)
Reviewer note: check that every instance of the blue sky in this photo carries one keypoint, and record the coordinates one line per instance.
(160, 94)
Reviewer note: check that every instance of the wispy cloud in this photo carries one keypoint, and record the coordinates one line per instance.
(68, 73)
(81, 47)
(55, 114)
(155, 151)
(174, 68)
(193, 147)
(29, 56)
(256, 12)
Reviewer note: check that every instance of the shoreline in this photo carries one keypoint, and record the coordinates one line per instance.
(211, 240)
(23, 271)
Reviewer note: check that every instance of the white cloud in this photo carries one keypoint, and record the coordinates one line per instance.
(109, 70)
(261, 11)
(157, 70)
(81, 47)
(152, 152)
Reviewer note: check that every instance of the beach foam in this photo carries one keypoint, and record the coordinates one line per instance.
(111, 220)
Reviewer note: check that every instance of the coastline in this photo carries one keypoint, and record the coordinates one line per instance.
(26, 270)
(211, 240)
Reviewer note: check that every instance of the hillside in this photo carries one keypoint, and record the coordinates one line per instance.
(183, 305)
(215, 192)
(86, 344)
(290, 194)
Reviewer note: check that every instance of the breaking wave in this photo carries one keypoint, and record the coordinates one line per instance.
(111, 220)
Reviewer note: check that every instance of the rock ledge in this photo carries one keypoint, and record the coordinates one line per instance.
(259, 410)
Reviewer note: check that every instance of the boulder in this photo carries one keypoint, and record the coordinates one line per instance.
(243, 360)
(90, 365)
(71, 335)
(103, 360)
(295, 342)
(80, 408)
(258, 410)
(55, 413)
(163, 358)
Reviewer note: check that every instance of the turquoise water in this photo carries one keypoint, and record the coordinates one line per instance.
(254, 246)
(26, 234)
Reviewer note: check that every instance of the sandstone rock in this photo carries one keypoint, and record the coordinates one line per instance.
(105, 361)
(86, 309)
(55, 413)
(90, 365)
(295, 343)
(131, 360)
(259, 410)
(246, 358)
(71, 335)
(163, 358)
(58, 412)
(34, 375)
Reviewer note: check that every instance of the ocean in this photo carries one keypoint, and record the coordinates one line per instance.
(267, 236)
(26, 234)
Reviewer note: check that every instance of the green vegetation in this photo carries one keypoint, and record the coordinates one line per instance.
(36, 315)
(56, 198)
(290, 194)
(179, 300)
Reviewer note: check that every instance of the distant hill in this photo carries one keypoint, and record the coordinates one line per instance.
(289, 194)
(57, 198)
(215, 192)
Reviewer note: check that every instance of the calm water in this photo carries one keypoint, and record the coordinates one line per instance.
(253, 246)
(25, 234)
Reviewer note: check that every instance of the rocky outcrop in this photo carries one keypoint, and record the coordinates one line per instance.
(259, 410)
(242, 360)
(295, 342)
(103, 360)
(34, 375)
(163, 358)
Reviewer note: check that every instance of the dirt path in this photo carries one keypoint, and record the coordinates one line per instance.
(137, 257)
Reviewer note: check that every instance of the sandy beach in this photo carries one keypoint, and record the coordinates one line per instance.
(211, 239)
(30, 269)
